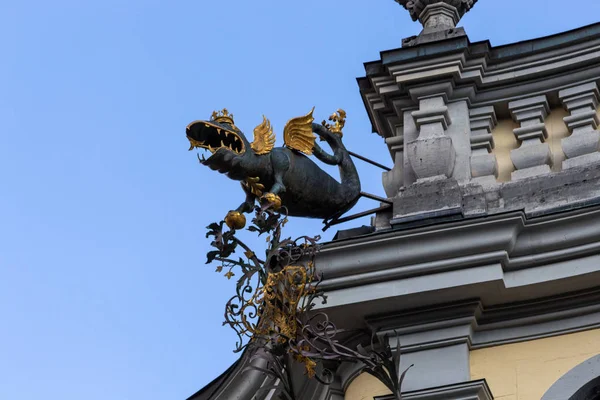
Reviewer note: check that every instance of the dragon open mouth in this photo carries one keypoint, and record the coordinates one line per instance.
(212, 136)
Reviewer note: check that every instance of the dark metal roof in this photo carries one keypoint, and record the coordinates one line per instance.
(209, 390)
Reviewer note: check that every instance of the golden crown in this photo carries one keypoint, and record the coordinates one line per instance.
(339, 121)
(222, 116)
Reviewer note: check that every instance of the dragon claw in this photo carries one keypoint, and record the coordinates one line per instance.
(273, 199)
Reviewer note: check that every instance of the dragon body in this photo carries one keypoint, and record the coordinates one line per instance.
(285, 175)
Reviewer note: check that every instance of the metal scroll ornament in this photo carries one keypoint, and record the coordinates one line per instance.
(273, 310)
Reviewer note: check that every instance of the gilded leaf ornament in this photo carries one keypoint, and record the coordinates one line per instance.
(298, 133)
(253, 184)
(264, 138)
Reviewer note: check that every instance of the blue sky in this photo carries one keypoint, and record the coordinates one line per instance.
(103, 289)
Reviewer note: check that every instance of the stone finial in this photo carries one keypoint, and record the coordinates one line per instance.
(438, 17)
(444, 14)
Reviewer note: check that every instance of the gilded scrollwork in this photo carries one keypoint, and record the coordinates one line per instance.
(273, 311)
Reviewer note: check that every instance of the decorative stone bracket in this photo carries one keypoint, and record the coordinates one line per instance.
(432, 153)
(483, 164)
(582, 146)
(533, 156)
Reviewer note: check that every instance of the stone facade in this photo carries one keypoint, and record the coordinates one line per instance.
(487, 265)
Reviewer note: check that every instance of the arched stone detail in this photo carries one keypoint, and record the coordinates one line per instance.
(366, 386)
(347, 372)
(580, 383)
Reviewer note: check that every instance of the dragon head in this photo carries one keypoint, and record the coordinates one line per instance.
(226, 143)
(228, 146)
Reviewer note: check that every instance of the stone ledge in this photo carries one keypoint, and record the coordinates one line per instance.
(474, 390)
(512, 241)
(471, 323)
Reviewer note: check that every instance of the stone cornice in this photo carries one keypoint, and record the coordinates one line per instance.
(511, 240)
(472, 323)
(489, 259)
(479, 73)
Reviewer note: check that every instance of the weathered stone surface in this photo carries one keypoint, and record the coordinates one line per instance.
(432, 152)
(534, 194)
(432, 156)
(581, 143)
(532, 158)
(474, 202)
(427, 198)
(582, 161)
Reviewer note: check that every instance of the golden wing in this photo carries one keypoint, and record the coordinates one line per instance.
(298, 133)
(264, 138)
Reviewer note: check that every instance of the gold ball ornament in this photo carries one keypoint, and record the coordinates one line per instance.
(235, 220)
(272, 199)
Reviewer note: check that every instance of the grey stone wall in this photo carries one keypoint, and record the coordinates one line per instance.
(437, 113)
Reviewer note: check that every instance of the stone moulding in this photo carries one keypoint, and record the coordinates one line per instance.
(512, 240)
(479, 73)
(489, 258)
(471, 323)
(474, 390)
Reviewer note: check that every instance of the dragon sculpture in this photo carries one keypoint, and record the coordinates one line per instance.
(281, 176)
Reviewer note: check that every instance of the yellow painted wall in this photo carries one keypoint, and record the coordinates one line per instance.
(557, 129)
(525, 371)
(505, 141)
(520, 371)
